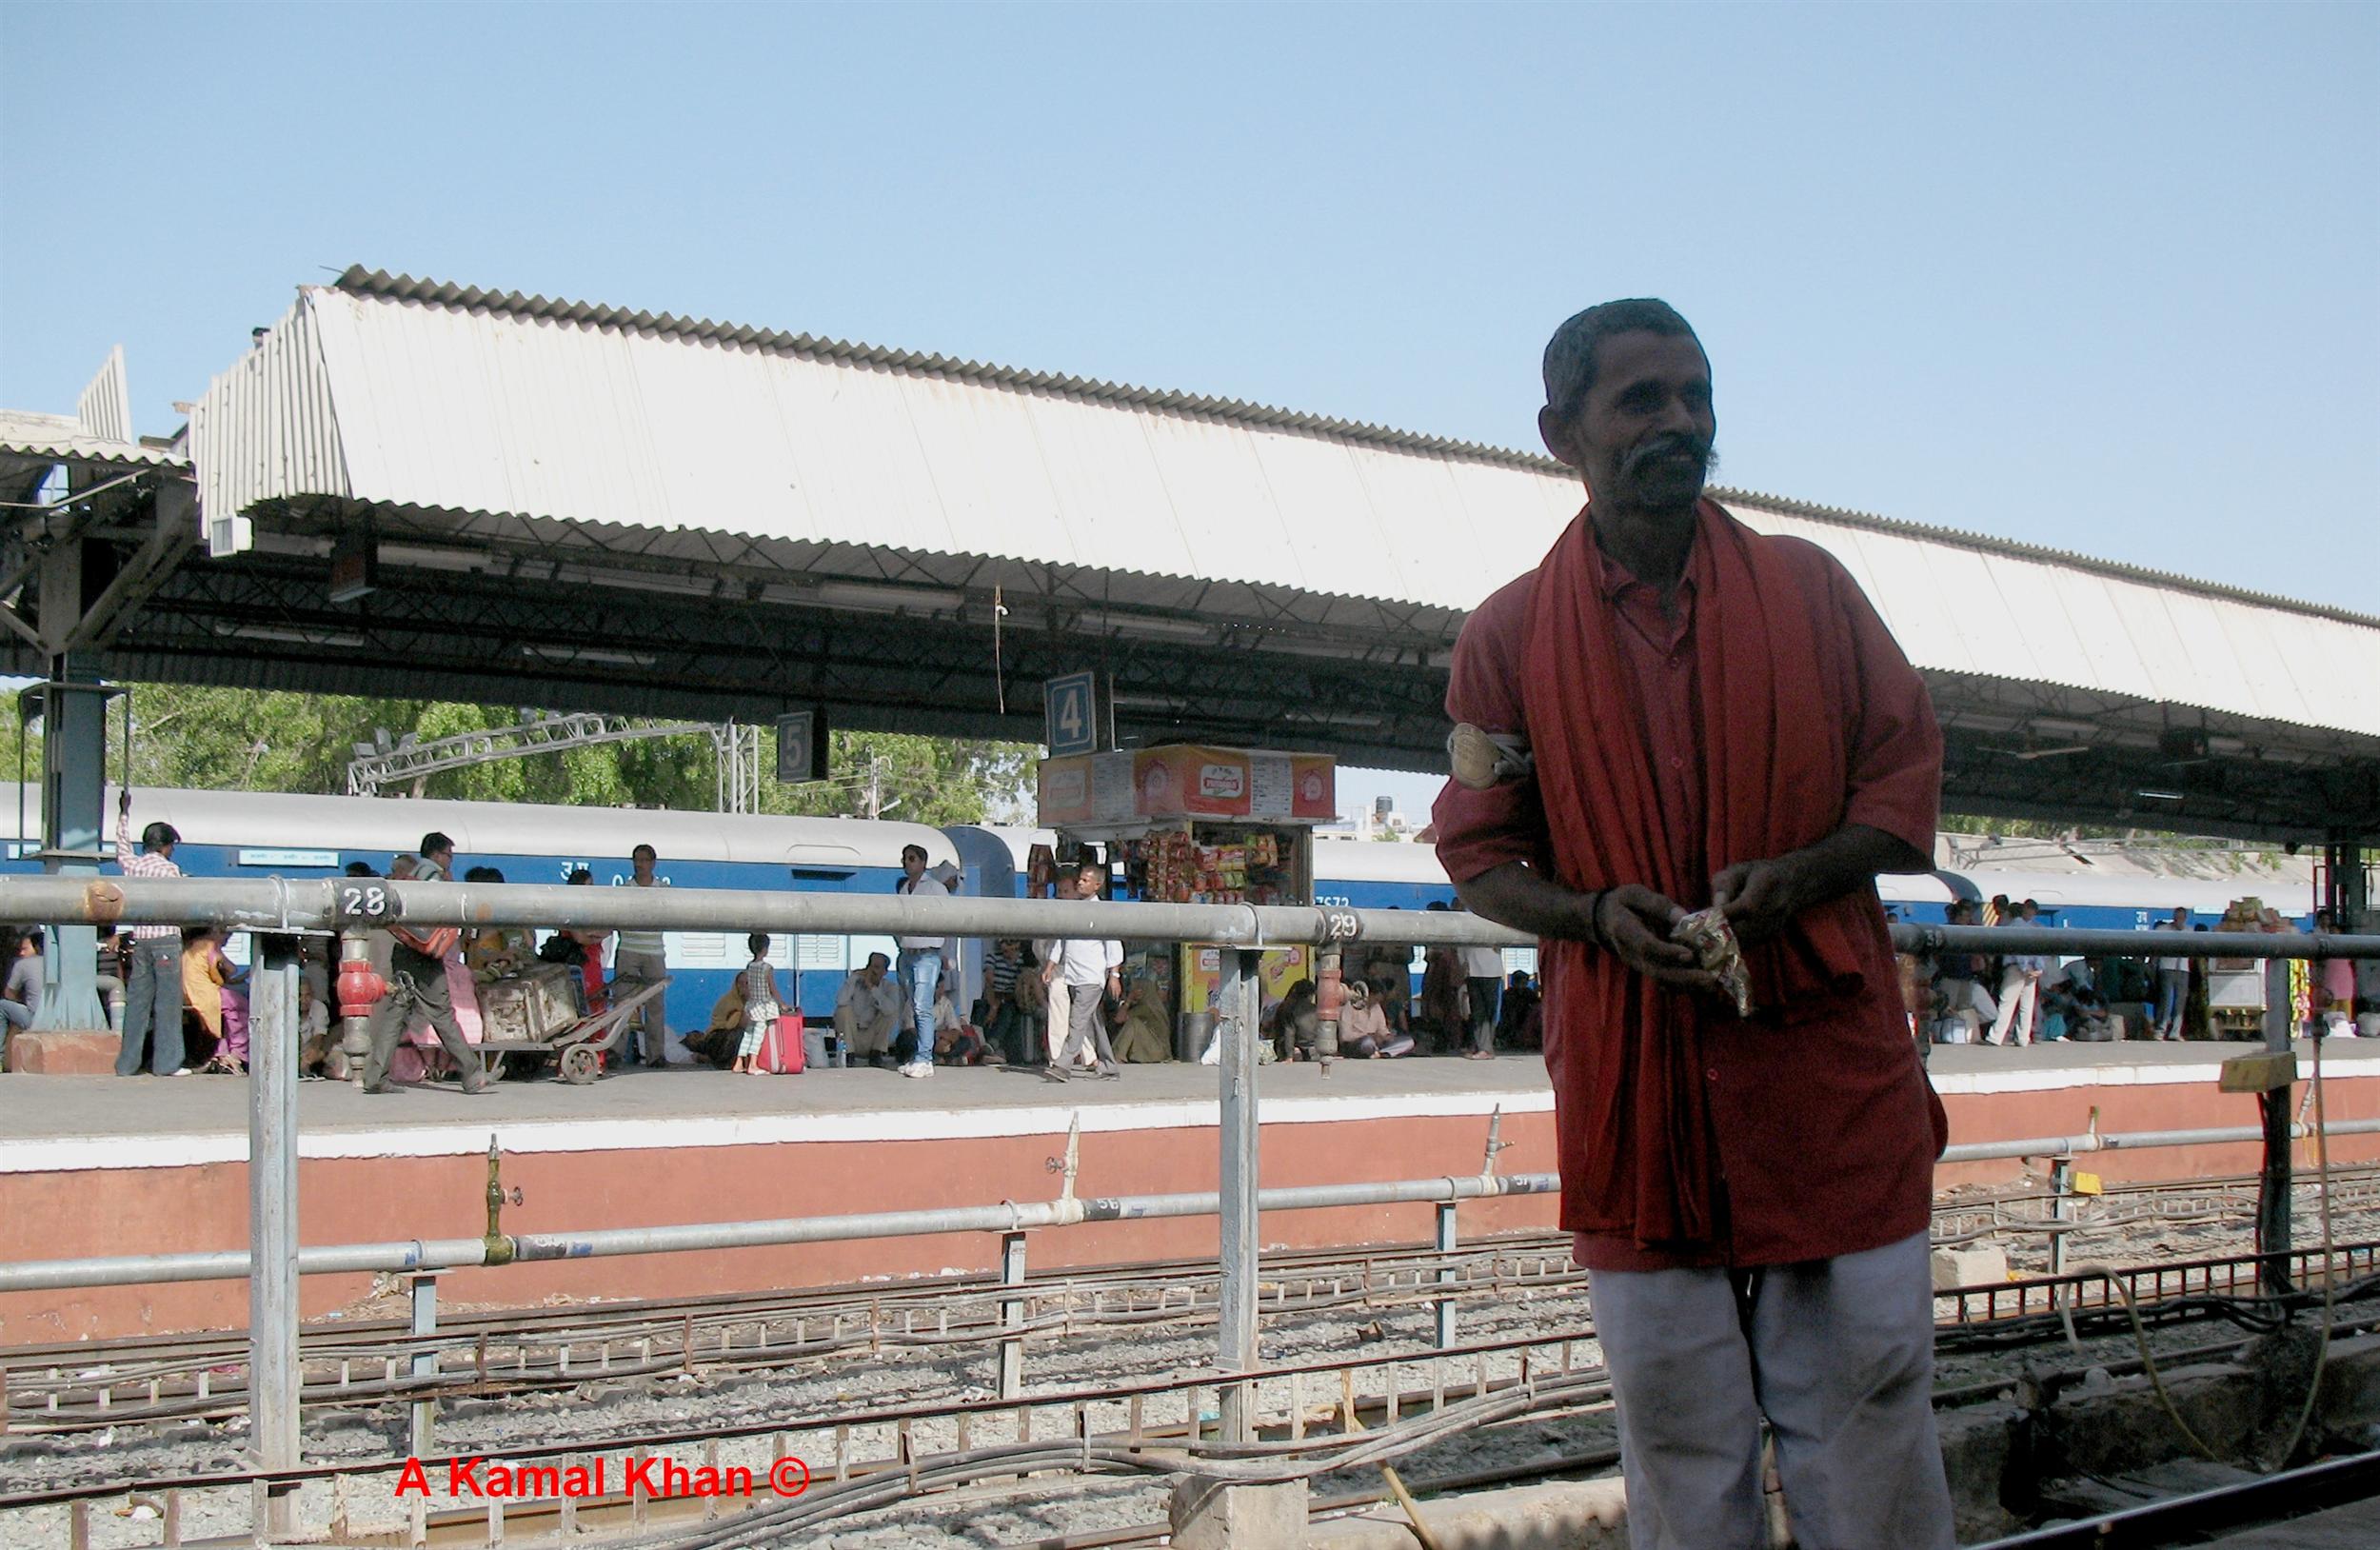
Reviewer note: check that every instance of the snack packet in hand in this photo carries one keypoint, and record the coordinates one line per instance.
(1714, 943)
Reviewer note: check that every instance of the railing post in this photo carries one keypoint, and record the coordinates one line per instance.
(424, 1290)
(1235, 1337)
(2272, 1193)
(272, 1298)
(1445, 1274)
(2061, 1209)
(1012, 1316)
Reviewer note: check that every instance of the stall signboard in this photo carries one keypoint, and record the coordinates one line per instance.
(1187, 781)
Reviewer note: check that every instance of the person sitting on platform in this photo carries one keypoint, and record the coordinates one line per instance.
(20, 998)
(1004, 1023)
(1140, 1025)
(1519, 1021)
(956, 1042)
(716, 1043)
(867, 1012)
(1296, 1025)
(493, 951)
(1363, 1028)
(217, 1030)
(1034, 1048)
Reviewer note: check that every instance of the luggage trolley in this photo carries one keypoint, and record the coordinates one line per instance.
(538, 1011)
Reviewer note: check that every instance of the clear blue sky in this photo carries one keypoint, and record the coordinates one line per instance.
(2102, 277)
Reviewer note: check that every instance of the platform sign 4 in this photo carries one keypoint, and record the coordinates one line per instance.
(1070, 714)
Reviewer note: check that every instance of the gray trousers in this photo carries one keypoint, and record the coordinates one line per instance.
(651, 1024)
(417, 993)
(1083, 1023)
(1837, 1354)
(153, 1007)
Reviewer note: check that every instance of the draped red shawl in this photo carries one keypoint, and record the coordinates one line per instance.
(1776, 672)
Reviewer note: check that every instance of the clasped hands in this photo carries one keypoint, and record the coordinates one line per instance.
(1760, 898)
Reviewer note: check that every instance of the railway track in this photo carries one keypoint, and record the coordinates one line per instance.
(943, 1437)
(87, 1385)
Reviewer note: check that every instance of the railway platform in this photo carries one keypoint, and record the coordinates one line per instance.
(103, 1165)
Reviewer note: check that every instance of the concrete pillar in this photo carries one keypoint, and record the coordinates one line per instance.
(1209, 1514)
(73, 792)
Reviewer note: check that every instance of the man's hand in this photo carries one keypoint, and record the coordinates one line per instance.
(124, 802)
(1635, 923)
(1760, 898)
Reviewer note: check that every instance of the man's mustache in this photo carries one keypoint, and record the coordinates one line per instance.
(1703, 454)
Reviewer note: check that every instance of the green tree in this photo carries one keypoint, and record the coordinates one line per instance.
(241, 740)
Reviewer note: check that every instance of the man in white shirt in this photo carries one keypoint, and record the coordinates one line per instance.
(1483, 981)
(868, 1011)
(1087, 967)
(2173, 981)
(645, 955)
(922, 959)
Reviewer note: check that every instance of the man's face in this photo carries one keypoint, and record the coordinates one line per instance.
(444, 858)
(1064, 887)
(1086, 884)
(641, 863)
(913, 863)
(873, 972)
(1642, 436)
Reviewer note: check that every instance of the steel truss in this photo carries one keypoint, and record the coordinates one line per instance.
(712, 626)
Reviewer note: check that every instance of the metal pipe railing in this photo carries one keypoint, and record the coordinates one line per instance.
(282, 904)
(463, 1253)
(2137, 1141)
(415, 1255)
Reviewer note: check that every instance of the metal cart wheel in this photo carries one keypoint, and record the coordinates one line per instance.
(580, 1065)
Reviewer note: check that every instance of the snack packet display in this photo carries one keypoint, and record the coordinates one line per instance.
(1714, 943)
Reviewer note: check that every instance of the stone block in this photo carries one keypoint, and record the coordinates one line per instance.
(1209, 1514)
(1975, 1264)
(61, 1052)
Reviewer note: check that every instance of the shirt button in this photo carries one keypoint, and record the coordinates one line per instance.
(1677, 662)
(1677, 763)
(1712, 1073)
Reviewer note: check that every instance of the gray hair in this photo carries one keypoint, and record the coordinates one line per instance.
(1570, 354)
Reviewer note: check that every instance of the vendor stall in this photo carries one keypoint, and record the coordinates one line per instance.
(1195, 824)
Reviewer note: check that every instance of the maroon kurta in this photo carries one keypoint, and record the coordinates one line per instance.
(1813, 1129)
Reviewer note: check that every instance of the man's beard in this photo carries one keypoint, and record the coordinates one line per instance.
(1666, 473)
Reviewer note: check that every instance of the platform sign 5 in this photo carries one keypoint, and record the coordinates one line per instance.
(1070, 714)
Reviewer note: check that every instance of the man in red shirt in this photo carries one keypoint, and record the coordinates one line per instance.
(1673, 712)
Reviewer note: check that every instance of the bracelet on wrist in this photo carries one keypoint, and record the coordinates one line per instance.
(1595, 918)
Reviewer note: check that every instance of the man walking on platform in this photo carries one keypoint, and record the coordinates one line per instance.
(152, 971)
(417, 993)
(1090, 969)
(1674, 713)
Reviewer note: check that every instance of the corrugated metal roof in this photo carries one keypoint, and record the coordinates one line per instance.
(362, 282)
(405, 393)
(62, 438)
